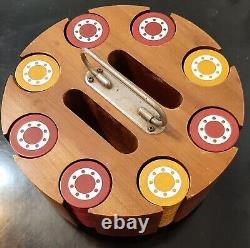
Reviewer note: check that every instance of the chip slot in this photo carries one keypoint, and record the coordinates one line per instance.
(214, 129)
(206, 67)
(145, 79)
(99, 120)
(87, 31)
(37, 72)
(153, 28)
(165, 183)
(33, 135)
(84, 184)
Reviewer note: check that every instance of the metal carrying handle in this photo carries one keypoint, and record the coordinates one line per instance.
(159, 121)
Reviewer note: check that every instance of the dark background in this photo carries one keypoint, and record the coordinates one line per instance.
(223, 220)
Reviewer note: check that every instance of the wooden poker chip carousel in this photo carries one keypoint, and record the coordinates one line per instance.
(123, 112)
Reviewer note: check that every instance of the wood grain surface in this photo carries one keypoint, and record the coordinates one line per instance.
(78, 140)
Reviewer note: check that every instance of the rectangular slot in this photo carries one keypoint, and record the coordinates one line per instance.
(100, 121)
(153, 85)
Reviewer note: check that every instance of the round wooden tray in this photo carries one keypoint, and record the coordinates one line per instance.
(77, 139)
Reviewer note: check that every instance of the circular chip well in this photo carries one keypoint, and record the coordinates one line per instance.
(85, 184)
(206, 67)
(214, 130)
(153, 29)
(37, 73)
(33, 135)
(164, 182)
(87, 31)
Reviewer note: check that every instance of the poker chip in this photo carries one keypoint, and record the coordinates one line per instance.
(153, 29)
(206, 67)
(214, 130)
(37, 73)
(85, 184)
(164, 182)
(87, 31)
(33, 135)
(83, 216)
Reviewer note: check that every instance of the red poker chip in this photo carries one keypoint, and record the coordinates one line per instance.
(83, 216)
(214, 130)
(87, 31)
(33, 135)
(85, 184)
(153, 29)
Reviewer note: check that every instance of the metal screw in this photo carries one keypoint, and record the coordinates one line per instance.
(91, 79)
(100, 70)
(151, 129)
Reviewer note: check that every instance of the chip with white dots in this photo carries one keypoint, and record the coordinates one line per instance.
(153, 29)
(85, 184)
(37, 72)
(164, 182)
(206, 67)
(214, 129)
(33, 135)
(87, 31)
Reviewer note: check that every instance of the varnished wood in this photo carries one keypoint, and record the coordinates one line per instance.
(77, 140)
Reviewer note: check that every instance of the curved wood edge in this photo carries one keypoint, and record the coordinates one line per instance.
(5, 116)
(133, 9)
(61, 210)
(228, 156)
(207, 39)
(24, 164)
(31, 48)
(240, 113)
(228, 102)
(193, 199)
(13, 89)
(188, 205)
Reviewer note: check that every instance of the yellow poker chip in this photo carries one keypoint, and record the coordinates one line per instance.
(37, 73)
(164, 182)
(206, 67)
